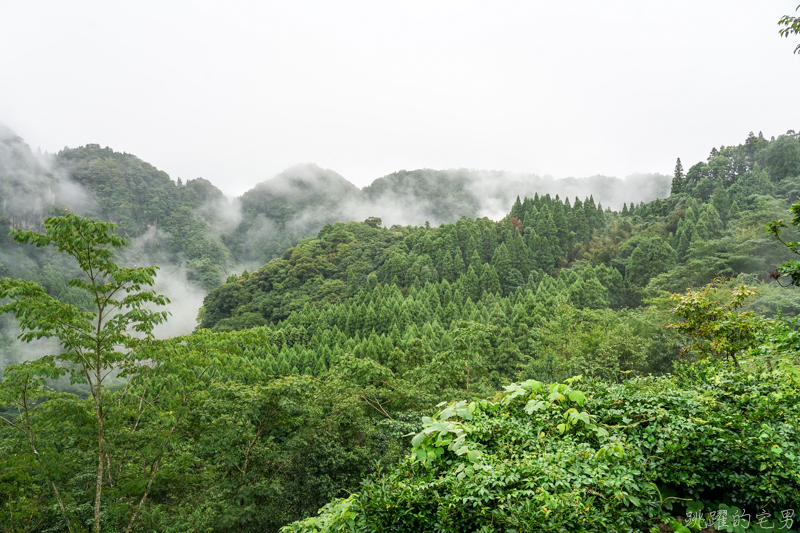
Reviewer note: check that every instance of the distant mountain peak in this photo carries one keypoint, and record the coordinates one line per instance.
(307, 176)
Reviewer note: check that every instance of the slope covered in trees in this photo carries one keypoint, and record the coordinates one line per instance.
(621, 257)
(193, 225)
(311, 379)
(173, 223)
(177, 223)
(297, 203)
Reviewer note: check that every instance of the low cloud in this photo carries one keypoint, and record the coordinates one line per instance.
(185, 301)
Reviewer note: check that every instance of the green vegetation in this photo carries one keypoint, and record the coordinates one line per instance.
(177, 223)
(172, 223)
(112, 336)
(791, 25)
(479, 375)
(585, 456)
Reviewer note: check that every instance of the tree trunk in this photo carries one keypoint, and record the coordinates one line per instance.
(99, 415)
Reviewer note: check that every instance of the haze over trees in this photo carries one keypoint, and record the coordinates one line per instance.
(192, 224)
(403, 377)
(450, 350)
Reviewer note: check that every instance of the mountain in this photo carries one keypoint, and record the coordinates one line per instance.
(193, 225)
(281, 211)
(172, 222)
(27, 188)
(447, 195)
(526, 354)
(297, 203)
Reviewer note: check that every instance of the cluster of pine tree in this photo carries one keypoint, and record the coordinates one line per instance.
(480, 255)
(307, 375)
(403, 332)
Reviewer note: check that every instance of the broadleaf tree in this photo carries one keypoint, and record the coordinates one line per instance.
(110, 339)
(791, 25)
(716, 326)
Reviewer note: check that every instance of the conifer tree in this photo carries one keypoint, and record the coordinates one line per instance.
(637, 270)
(561, 224)
(595, 295)
(488, 241)
(516, 209)
(458, 263)
(649, 260)
(678, 178)
(519, 254)
(448, 268)
(611, 279)
(734, 211)
(473, 247)
(469, 284)
(513, 281)
(352, 282)
(529, 217)
(575, 293)
(721, 202)
(684, 240)
(372, 281)
(545, 226)
(691, 212)
(590, 210)
(579, 223)
(702, 230)
(543, 257)
(489, 280)
(320, 368)
(501, 261)
(711, 218)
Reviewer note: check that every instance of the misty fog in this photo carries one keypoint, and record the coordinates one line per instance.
(277, 213)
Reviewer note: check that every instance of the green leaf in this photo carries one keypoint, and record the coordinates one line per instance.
(534, 405)
(577, 396)
(447, 413)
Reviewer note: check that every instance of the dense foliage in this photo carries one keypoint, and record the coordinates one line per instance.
(176, 223)
(310, 379)
(589, 456)
(712, 225)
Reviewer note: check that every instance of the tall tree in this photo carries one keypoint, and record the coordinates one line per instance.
(677, 179)
(113, 336)
(721, 202)
(490, 281)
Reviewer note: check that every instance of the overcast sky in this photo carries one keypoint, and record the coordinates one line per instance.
(237, 91)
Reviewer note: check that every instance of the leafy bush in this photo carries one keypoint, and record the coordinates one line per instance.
(607, 457)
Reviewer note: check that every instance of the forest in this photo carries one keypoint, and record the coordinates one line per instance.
(401, 357)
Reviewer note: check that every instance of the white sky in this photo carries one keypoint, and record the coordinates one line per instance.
(237, 91)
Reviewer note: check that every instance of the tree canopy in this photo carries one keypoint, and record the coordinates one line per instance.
(406, 377)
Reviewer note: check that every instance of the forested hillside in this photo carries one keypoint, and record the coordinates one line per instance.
(170, 222)
(297, 203)
(712, 225)
(175, 222)
(477, 375)
(191, 224)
